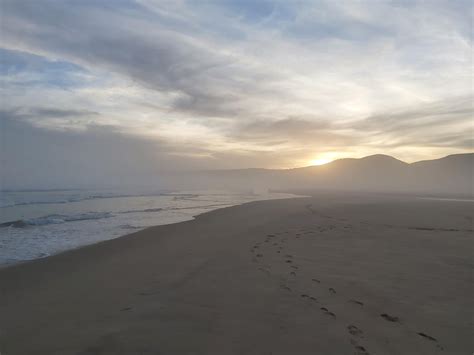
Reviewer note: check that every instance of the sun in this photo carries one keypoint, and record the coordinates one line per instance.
(324, 158)
(320, 161)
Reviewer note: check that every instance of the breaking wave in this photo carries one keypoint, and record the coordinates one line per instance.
(56, 219)
(11, 199)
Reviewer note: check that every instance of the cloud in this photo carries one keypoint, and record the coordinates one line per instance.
(240, 80)
(294, 130)
(215, 75)
(54, 112)
(158, 58)
(443, 123)
(103, 156)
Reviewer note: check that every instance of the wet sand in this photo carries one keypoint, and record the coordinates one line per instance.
(330, 274)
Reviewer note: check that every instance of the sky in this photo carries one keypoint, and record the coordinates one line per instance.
(123, 90)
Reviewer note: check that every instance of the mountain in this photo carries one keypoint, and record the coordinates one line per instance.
(451, 175)
(454, 173)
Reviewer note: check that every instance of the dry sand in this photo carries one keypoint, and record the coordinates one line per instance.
(331, 274)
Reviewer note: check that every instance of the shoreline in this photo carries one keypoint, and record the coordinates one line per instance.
(20, 262)
(318, 274)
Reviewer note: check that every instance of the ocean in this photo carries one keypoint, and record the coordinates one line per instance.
(36, 224)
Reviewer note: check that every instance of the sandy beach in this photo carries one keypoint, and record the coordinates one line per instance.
(328, 274)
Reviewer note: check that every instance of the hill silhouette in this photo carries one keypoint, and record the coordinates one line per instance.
(451, 175)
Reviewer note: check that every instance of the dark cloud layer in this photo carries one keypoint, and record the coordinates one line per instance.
(159, 58)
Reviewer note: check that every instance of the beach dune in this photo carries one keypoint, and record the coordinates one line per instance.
(329, 274)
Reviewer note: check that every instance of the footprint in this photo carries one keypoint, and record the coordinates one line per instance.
(316, 280)
(125, 309)
(427, 336)
(333, 291)
(259, 255)
(289, 261)
(356, 302)
(285, 288)
(294, 267)
(327, 312)
(289, 256)
(293, 273)
(361, 350)
(304, 295)
(353, 330)
(390, 318)
(313, 299)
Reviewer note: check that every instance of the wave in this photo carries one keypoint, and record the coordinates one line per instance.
(144, 211)
(59, 201)
(59, 218)
(198, 207)
(4, 204)
(177, 197)
(9, 201)
(148, 210)
(129, 226)
(56, 219)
